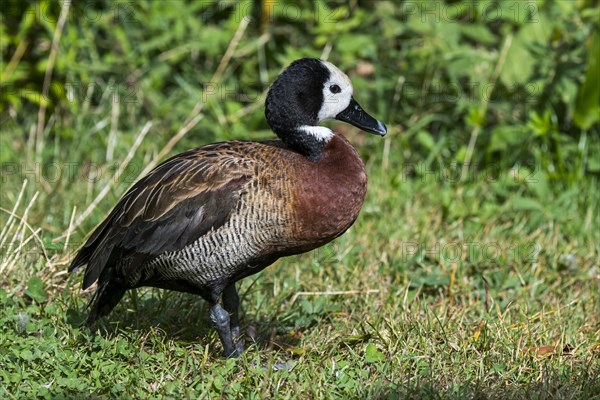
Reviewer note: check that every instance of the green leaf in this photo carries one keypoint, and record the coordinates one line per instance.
(35, 290)
(593, 164)
(525, 204)
(373, 355)
(361, 45)
(476, 117)
(538, 182)
(26, 355)
(519, 63)
(480, 33)
(437, 280)
(461, 154)
(540, 124)
(504, 136)
(587, 106)
(425, 139)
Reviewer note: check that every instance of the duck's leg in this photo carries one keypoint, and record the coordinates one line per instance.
(220, 319)
(231, 302)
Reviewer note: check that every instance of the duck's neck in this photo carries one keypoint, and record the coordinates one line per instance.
(308, 140)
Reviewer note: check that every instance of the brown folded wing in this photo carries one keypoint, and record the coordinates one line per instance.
(171, 207)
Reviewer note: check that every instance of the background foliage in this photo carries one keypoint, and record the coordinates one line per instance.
(493, 111)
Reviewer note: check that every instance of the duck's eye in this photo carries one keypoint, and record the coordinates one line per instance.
(335, 89)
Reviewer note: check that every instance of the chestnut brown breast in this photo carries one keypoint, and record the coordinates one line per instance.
(327, 195)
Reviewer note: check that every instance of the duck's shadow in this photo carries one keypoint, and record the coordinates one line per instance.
(181, 317)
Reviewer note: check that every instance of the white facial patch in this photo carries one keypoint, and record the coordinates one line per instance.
(320, 132)
(334, 103)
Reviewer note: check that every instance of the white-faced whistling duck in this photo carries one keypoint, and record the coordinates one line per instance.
(208, 217)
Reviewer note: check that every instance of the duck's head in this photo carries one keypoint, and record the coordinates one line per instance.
(308, 92)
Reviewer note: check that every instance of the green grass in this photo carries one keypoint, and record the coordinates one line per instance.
(417, 321)
(483, 287)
